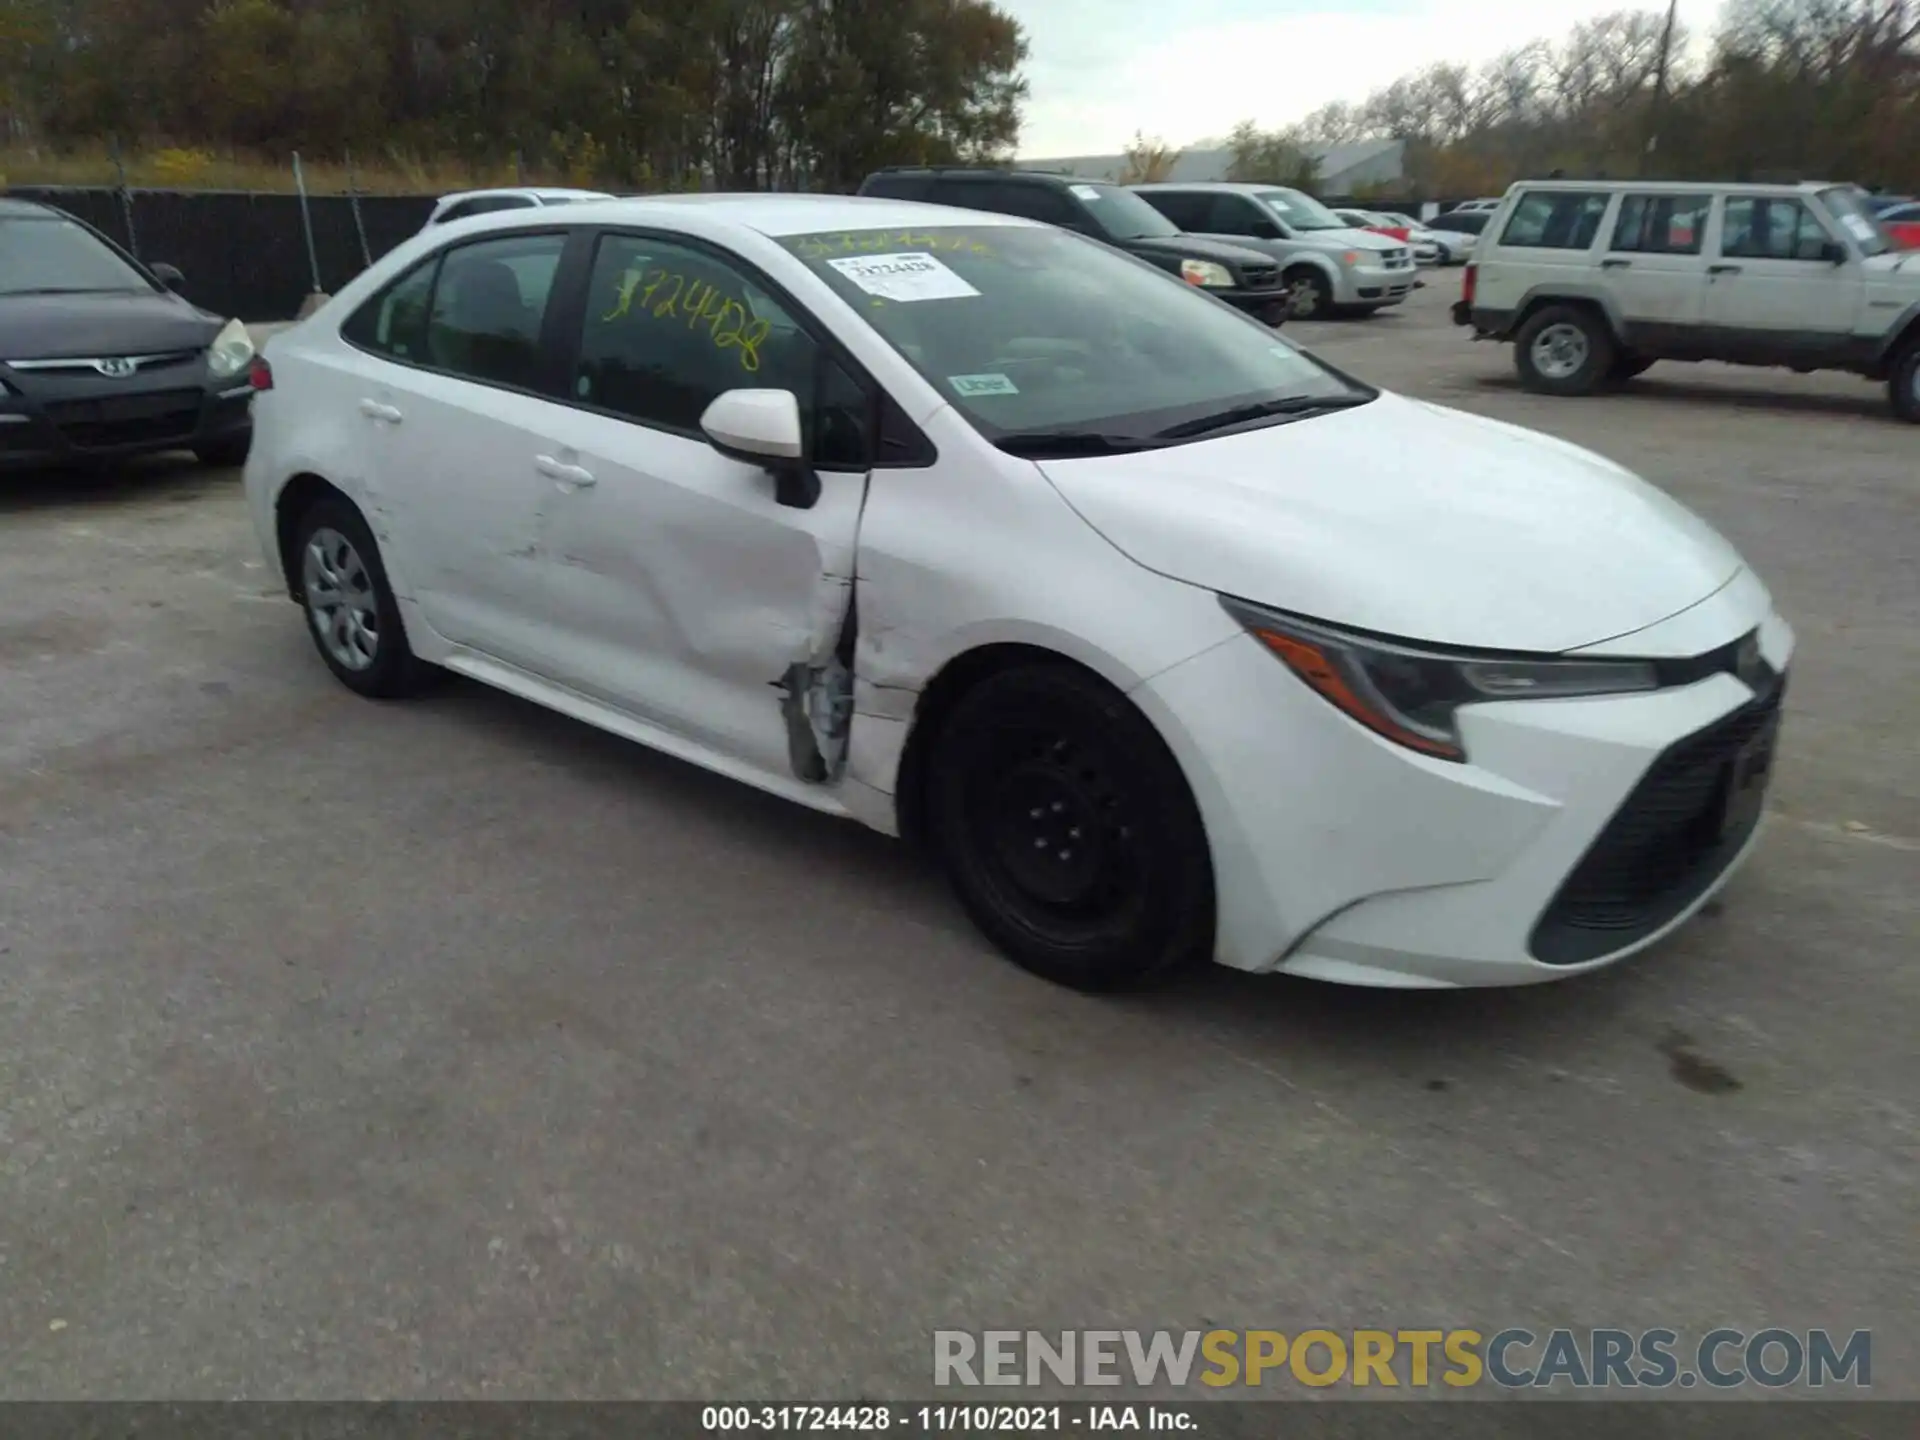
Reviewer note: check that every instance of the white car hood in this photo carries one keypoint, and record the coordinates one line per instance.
(1355, 239)
(1410, 520)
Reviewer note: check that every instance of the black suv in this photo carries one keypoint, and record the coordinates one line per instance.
(1243, 278)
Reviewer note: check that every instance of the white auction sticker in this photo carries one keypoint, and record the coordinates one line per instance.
(1861, 227)
(994, 384)
(907, 275)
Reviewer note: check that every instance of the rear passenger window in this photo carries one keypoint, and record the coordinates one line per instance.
(1237, 215)
(896, 187)
(1030, 202)
(1661, 224)
(1188, 211)
(488, 307)
(394, 322)
(1555, 220)
(1772, 229)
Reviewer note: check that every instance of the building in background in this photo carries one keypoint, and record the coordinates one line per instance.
(1344, 169)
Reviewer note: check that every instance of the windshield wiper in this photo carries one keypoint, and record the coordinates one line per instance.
(1293, 406)
(1065, 444)
(69, 290)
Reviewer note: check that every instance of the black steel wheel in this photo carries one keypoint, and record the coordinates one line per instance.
(1069, 832)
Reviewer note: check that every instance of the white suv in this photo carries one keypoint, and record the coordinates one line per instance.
(1593, 281)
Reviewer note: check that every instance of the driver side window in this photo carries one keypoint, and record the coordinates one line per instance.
(671, 327)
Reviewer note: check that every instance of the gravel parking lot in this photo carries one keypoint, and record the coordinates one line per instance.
(454, 1049)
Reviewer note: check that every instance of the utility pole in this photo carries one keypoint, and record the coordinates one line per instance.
(1654, 113)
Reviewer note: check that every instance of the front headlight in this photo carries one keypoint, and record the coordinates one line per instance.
(1205, 272)
(231, 351)
(1412, 694)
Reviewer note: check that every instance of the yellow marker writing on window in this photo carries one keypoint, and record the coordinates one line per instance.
(668, 295)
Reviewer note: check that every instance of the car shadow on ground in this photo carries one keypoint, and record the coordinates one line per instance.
(1428, 1036)
(1676, 390)
(176, 479)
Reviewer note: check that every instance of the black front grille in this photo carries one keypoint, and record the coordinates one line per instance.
(1259, 277)
(117, 420)
(1680, 828)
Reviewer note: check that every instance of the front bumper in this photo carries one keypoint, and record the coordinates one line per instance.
(64, 419)
(1376, 285)
(1271, 303)
(1576, 834)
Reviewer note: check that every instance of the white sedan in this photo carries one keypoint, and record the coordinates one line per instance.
(971, 529)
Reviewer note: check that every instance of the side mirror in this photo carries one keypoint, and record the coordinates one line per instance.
(1834, 253)
(169, 276)
(1266, 230)
(762, 427)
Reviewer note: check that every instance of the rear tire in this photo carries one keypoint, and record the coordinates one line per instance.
(1563, 350)
(351, 613)
(1068, 831)
(1903, 385)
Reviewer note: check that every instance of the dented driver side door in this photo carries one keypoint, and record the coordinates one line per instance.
(678, 589)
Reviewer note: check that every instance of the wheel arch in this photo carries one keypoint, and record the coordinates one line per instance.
(299, 495)
(1578, 297)
(1903, 332)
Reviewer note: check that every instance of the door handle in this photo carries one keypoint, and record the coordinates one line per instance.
(1723, 269)
(571, 475)
(374, 410)
(1615, 264)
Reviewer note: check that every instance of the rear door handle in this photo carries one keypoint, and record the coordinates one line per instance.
(1723, 269)
(374, 410)
(1615, 264)
(572, 475)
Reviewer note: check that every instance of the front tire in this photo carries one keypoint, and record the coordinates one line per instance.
(1068, 831)
(1563, 350)
(1903, 385)
(1312, 295)
(351, 613)
(1628, 367)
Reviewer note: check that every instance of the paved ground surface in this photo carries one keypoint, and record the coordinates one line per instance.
(454, 1049)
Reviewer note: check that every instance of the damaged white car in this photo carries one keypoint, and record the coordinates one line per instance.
(1172, 641)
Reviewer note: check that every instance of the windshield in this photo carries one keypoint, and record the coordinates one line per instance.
(1302, 212)
(55, 256)
(1124, 215)
(1038, 331)
(1850, 209)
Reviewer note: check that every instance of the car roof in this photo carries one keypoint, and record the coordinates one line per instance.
(556, 192)
(29, 210)
(999, 172)
(1232, 187)
(1682, 187)
(773, 215)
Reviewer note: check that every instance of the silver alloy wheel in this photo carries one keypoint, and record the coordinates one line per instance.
(1306, 297)
(340, 599)
(1559, 351)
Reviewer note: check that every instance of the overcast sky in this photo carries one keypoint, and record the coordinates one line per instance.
(1189, 69)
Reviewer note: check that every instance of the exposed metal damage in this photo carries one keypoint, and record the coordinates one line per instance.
(817, 703)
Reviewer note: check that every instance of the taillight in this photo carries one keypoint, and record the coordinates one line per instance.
(261, 373)
(1468, 278)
